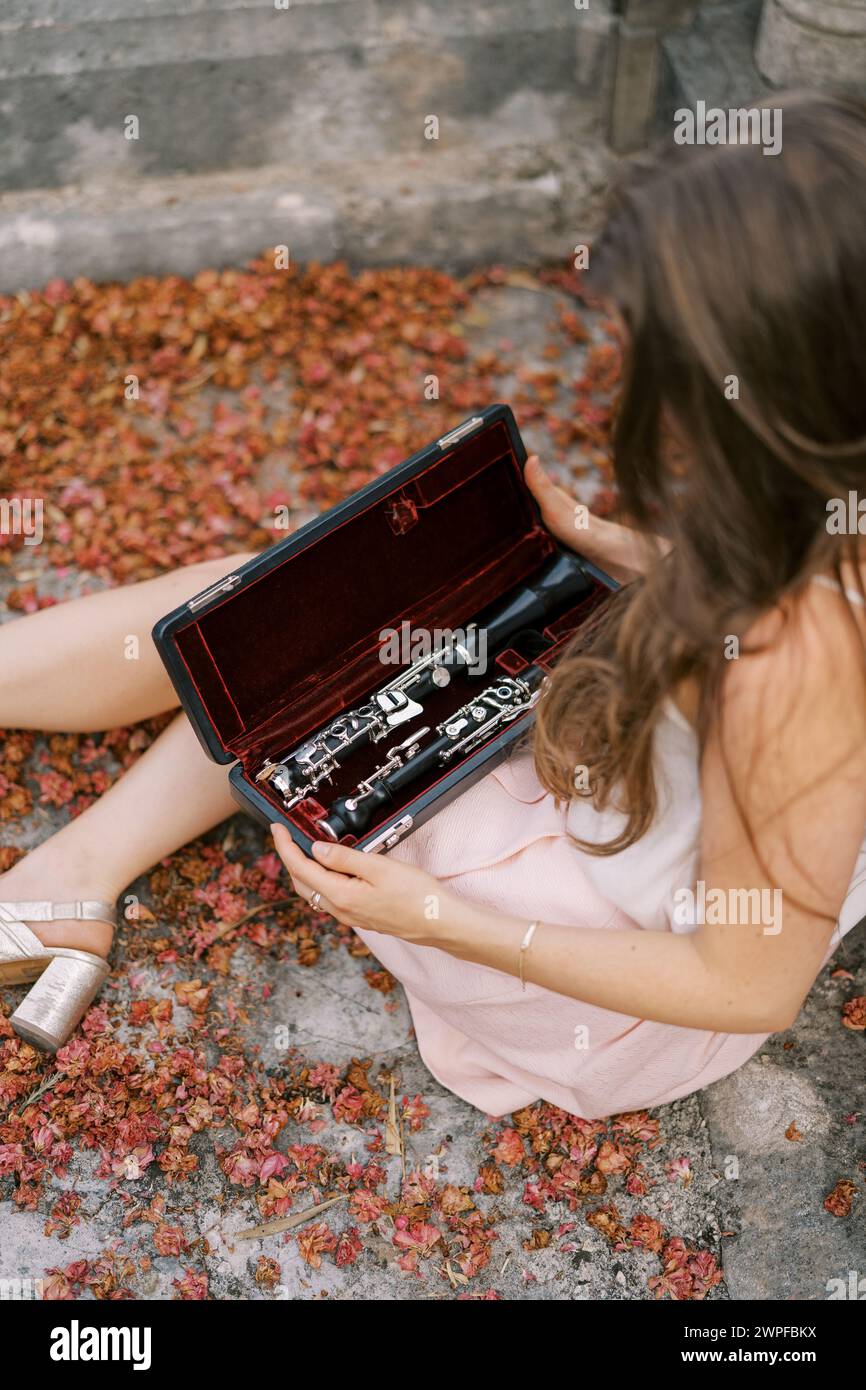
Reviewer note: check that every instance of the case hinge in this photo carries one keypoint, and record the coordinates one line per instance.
(223, 587)
(453, 437)
(389, 837)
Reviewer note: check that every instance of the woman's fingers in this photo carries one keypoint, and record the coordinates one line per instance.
(346, 861)
(557, 508)
(322, 904)
(308, 876)
(340, 859)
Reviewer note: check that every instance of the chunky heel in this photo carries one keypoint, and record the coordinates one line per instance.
(59, 999)
(67, 981)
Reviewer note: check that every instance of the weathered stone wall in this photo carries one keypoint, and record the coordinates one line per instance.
(223, 84)
(813, 42)
(309, 125)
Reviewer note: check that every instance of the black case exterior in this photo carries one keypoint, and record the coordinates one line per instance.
(246, 793)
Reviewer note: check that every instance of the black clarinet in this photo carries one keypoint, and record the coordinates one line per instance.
(562, 580)
(500, 704)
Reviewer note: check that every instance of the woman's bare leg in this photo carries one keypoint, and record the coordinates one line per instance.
(90, 664)
(64, 669)
(169, 796)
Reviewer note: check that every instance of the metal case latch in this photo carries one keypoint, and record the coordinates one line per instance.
(390, 836)
(224, 586)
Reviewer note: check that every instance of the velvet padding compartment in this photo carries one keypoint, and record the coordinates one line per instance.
(274, 662)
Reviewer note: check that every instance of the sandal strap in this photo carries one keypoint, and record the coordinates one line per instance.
(88, 909)
(17, 942)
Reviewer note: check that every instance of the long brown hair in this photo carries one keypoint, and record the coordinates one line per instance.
(741, 279)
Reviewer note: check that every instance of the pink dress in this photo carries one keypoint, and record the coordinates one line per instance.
(505, 845)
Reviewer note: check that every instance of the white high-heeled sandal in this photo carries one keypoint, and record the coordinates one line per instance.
(67, 981)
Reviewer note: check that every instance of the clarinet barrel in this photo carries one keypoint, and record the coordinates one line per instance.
(562, 581)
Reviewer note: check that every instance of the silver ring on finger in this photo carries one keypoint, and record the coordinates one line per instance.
(315, 900)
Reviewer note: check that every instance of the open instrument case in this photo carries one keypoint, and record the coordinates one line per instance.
(264, 659)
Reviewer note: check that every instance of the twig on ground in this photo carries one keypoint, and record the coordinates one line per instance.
(288, 1223)
(227, 927)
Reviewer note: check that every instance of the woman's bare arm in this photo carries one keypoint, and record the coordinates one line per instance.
(794, 741)
(791, 751)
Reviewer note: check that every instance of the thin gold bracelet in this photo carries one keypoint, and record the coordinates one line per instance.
(524, 947)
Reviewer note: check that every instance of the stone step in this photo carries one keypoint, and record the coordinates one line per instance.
(444, 209)
(238, 84)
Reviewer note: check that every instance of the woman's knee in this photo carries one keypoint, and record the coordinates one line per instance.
(222, 565)
(192, 579)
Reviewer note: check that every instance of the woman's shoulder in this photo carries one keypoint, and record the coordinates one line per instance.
(793, 691)
(785, 754)
(808, 652)
(809, 639)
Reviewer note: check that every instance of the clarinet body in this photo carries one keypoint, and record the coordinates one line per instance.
(497, 706)
(562, 580)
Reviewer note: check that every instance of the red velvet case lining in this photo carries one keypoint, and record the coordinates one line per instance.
(276, 661)
(293, 648)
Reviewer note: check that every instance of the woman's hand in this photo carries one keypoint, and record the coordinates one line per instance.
(366, 890)
(621, 552)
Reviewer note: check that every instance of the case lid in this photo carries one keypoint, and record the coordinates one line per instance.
(297, 637)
